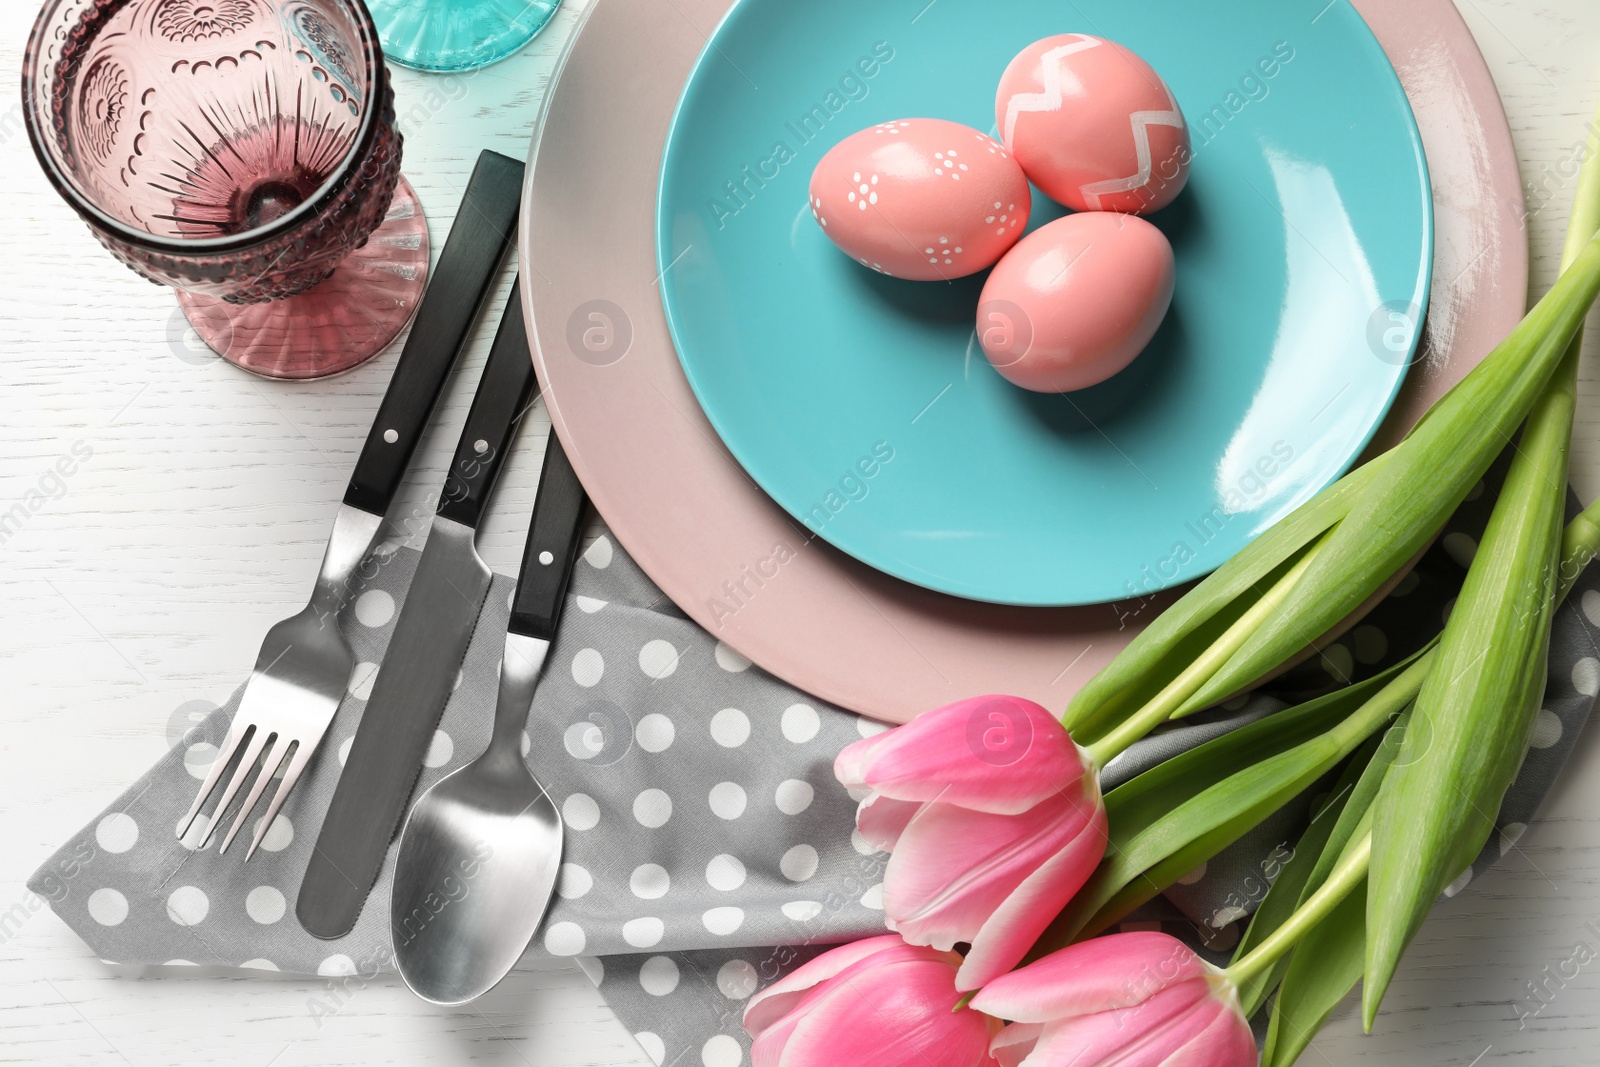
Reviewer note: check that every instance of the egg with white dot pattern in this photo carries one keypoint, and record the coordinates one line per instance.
(921, 199)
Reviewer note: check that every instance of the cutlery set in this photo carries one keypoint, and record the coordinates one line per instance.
(490, 817)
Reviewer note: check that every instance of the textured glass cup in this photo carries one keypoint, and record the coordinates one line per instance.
(244, 153)
(448, 35)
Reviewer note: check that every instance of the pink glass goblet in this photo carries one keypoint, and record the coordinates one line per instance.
(243, 152)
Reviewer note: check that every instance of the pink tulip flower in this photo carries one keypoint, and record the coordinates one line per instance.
(993, 819)
(878, 1001)
(1132, 1000)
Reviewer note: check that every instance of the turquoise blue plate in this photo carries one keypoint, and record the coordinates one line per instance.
(862, 404)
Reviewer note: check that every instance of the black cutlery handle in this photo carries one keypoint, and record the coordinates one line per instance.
(553, 538)
(499, 404)
(483, 228)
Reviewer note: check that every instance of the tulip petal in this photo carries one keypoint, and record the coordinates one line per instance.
(1103, 973)
(1007, 934)
(953, 868)
(1227, 1042)
(1144, 1035)
(882, 820)
(1012, 1045)
(773, 1002)
(893, 1015)
(997, 754)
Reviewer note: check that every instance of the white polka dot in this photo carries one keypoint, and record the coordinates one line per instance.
(1336, 660)
(652, 808)
(1475, 492)
(197, 759)
(658, 976)
(265, 904)
(527, 744)
(278, 836)
(580, 812)
(598, 555)
(653, 1046)
(1234, 703)
(860, 844)
(802, 910)
(461, 675)
(592, 969)
(727, 800)
(721, 1051)
(107, 907)
(1546, 729)
(1370, 644)
(179, 963)
(1510, 834)
(870, 727)
(725, 872)
(191, 837)
(440, 749)
(654, 732)
(800, 723)
(1591, 606)
(1586, 676)
(644, 933)
(730, 727)
(794, 796)
(584, 740)
(737, 979)
(573, 881)
(799, 863)
(1227, 916)
(587, 667)
(873, 898)
(658, 659)
(1460, 547)
(361, 680)
(1193, 876)
(588, 604)
(117, 832)
(337, 965)
(374, 607)
(258, 964)
(649, 881)
(187, 905)
(1407, 585)
(1459, 884)
(564, 939)
(730, 659)
(344, 749)
(723, 921)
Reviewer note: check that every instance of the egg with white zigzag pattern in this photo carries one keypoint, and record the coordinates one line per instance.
(1093, 125)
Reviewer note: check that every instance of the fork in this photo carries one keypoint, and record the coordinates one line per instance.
(305, 662)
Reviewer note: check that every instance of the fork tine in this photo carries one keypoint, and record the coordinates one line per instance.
(275, 751)
(297, 763)
(230, 744)
(247, 763)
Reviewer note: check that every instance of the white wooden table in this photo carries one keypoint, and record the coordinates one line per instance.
(145, 582)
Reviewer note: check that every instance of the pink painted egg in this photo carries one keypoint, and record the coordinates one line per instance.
(1075, 301)
(922, 199)
(1093, 126)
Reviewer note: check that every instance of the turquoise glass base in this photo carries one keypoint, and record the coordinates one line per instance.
(451, 35)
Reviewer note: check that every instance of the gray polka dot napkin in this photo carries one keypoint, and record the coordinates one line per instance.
(709, 848)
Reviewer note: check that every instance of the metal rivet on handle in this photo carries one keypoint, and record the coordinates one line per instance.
(480, 446)
(391, 436)
(546, 558)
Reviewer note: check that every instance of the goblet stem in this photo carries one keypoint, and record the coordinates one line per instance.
(345, 320)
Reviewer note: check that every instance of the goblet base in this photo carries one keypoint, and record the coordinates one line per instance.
(339, 324)
(453, 35)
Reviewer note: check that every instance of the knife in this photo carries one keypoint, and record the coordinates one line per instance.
(424, 655)
(305, 661)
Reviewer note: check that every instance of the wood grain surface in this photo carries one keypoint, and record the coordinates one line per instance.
(140, 589)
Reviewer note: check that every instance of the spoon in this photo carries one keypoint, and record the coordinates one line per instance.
(480, 850)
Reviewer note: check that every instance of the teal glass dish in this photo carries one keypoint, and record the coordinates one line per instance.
(452, 35)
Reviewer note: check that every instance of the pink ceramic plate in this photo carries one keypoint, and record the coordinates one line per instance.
(715, 543)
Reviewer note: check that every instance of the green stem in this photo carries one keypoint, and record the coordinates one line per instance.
(964, 1001)
(1350, 872)
(1579, 545)
(1171, 698)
